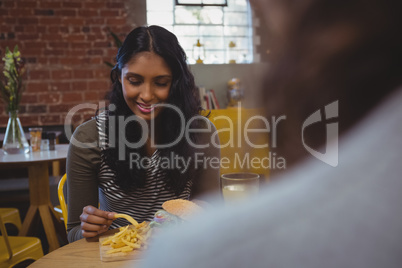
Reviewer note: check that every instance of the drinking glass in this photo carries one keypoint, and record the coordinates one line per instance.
(36, 138)
(240, 186)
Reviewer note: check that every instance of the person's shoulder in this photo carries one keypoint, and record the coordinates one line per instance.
(87, 131)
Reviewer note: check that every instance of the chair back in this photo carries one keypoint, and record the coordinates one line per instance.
(243, 136)
(62, 199)
(5, 237)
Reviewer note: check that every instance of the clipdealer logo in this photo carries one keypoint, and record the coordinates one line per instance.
(330, 156)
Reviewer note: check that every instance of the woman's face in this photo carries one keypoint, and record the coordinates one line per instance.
(146, 81)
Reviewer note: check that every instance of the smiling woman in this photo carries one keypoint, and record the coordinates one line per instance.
(152, 101)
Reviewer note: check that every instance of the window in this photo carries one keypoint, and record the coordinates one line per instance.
(215, 26)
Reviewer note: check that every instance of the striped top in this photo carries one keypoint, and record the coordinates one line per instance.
(141, 203)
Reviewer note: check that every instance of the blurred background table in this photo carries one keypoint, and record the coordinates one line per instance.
(39, 193)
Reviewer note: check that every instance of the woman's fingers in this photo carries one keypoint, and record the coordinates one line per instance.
(95, 221)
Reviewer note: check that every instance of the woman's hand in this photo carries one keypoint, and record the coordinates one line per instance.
(95, 221)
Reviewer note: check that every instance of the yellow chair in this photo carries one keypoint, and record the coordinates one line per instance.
(242, 151)
(16, 249)
(62, 209)
(11, 215)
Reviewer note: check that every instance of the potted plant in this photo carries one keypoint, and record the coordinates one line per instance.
(11, 91)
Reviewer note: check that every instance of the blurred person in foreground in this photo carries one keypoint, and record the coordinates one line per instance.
(316, 215)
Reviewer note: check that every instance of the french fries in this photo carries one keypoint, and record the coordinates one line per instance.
(127, 217)
(129, 237)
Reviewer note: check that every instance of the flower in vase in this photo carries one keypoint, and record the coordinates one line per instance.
(12, 86)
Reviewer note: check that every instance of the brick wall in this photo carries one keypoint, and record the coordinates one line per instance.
(64, 44)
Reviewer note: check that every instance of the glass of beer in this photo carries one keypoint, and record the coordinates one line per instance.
(240, 186)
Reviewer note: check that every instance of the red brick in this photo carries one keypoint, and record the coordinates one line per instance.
(29, 120)
(9, 3)
(115, 21)
(75, 29)
(21, 12)
(77, 53)
(115, 5)
(29, 98)
(53, 60)
(34, 87)
(96, 37)
(102, 73)
(95, 52)
(25, 36)
(79, 85)
(98, 85)
(69, 97)
(52, 37)
(82, 74)
(27, 4)
(95, 21)
(102, 44)
(39, 74)
(60, 86)
(58, 45)
(30, 28)
(29, 21)
(76, 45)
(50, 120)
(112, 52)
(3, 12)
(63, 29)
(53, 4)
(10, 20)
(3, 120)
(41, 29)
(50, 20)
(61, 74)
(74, 38)
(28, 51)
(88, 13)
(70, 61)
(109, 13)
(72, 4)
(96, 60)
(60, 108)
(53, 29)
(18, 28)
(36, 109)
(49, 98)
(92, 4)
(44, 12)
(5, 28)
(65, 13)
(73, 21)
(54, 52)
(91, 96)
(41, 60)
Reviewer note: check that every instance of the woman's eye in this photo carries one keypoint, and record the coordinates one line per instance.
(134, 83)
(161, 84)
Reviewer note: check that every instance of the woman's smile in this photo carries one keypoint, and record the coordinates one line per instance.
(146, 108)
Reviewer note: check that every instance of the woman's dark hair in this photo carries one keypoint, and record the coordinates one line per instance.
(326, 51)
(183, 94)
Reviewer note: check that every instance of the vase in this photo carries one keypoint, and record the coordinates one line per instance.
(14, 139)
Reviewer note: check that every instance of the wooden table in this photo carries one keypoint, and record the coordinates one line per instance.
(39, 193)
(81, 253)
